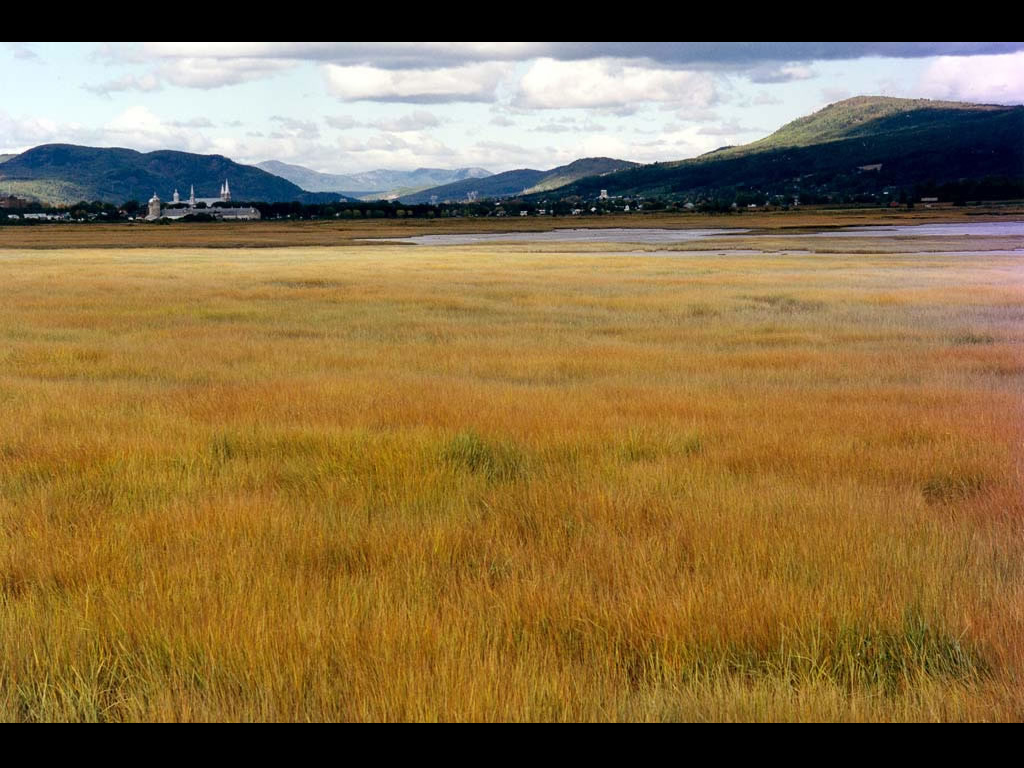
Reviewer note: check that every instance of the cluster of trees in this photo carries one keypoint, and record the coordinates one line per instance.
(96, 210)
(718, 200)
(375, 210)
(981, 190)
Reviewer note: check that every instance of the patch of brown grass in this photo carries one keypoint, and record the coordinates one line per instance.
(467, 484)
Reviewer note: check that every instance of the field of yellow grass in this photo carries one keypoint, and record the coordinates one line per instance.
(475, 483)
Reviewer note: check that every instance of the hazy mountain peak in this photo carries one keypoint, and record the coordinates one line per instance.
(381, 182)
(520, 182)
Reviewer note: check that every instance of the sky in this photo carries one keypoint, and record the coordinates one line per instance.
(355, 107)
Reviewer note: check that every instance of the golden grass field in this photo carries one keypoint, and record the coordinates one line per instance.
(510, 483)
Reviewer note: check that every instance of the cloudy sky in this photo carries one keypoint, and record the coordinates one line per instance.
(350, 107)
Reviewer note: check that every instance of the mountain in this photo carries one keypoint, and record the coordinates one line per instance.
(61, 173)
(506, 184)
(5, 158)
(581, 169)
(865, 116)
(859, 146)
(372, 184)
(522, 182)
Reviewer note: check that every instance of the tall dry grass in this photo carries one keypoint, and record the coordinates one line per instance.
(398, 484)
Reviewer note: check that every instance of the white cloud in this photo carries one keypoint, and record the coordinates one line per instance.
(730, 129)
(388, 150)
(983, 79)
(570, 125)
(202, 74)
(19, 134)
(143, 83)
(195, 122)
(498, 154)
(553, 127)
(209, 73)
(140, 128)
(299, 129)
(411, 123)
(416, 121)
(342, 122)
(788, 73)
(136, 128)
(610, 84)
(834, 95)
(419, 55)
(765, 99)
(23, 51)
(423, 86)
(414, 55)
(136, 119)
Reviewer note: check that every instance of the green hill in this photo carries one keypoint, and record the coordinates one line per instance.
(866, 116)
(860, 146)
(581, 169)
(62, 174)
(516, 183)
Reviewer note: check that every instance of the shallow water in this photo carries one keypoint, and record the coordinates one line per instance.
(666, 236)
(642, 236)
(974, 229)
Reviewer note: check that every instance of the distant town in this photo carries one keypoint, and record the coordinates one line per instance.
(15, 211)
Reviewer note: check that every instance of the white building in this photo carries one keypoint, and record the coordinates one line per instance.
(158, 212)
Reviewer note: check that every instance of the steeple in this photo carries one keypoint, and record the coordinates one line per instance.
(225, 194)
(192, 197)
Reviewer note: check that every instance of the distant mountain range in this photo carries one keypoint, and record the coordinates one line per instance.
(62, 173)
(865, 145)
(862, 145)
(522, 182)
(381, 184)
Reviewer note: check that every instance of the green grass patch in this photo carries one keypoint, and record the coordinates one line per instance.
(974, 340)
(856, 658)
(786, 305)
(949, 487)
(499, 462)
(644, 447)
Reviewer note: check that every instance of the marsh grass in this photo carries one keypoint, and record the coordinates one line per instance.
(456, 484)
(950, 487)
(497, 461)
(973, 339)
